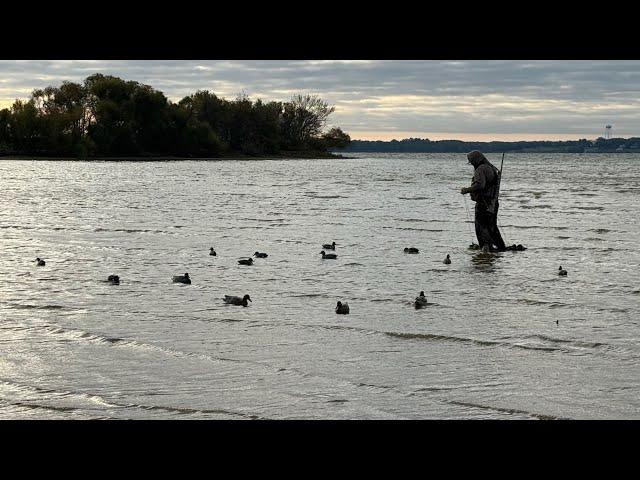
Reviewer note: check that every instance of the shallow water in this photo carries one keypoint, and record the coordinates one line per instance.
(487, 345)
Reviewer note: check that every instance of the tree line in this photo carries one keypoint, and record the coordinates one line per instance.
(106, 116)
(419, 145)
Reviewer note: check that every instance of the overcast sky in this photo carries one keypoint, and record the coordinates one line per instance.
(467, 100)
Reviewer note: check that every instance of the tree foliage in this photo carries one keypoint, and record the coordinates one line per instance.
(108, 116)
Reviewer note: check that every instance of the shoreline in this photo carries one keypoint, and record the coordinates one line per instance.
(287, 156)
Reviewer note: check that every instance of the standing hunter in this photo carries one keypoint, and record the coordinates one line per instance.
(484, 191)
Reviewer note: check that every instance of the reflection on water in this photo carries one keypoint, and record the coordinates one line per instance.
(484, 261)
(486, 346)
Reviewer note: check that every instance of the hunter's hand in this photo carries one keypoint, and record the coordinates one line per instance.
(463, 191)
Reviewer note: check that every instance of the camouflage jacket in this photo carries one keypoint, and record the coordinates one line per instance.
(484, 186)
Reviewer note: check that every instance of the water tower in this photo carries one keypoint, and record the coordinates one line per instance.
(607, 132)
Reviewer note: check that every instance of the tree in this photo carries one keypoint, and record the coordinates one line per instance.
(336, 138)
(304, 118)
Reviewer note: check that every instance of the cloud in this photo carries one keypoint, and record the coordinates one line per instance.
(484, 97)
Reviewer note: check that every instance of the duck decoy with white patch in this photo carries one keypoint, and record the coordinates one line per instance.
(328, 256)
(342, 308)
(40, 262)
(114, 279)
(329, 246)
(233, 300)
(182, 279)
(246, 261)
(562, 271)
(260, 255)
(421, 301)
(447, 260)
(411, 250)
(212, 252)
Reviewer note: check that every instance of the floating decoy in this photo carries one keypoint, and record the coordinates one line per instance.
(421, 301)
(447, 260)
(561, 271)
(233, 300)
(246, 261)
(40, 262)
(342, 308)
(182, 279)
(329, 246)
(260, 255)
(114, 279)
(329, 256)
(212, 252)
(410, 250)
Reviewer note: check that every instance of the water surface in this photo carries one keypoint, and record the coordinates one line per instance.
(487, 346)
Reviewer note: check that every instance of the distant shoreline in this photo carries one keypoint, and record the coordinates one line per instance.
(302, 155)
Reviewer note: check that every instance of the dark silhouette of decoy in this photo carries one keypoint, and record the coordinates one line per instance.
(114, 279)
(329, 246)
(260, 255)
(410, 250)
(561, 271)
(182, 279)
(40, 262)
(329, 256)
(233, 300)
(447, 260)
(246, 261)
(342, 308)
(212, 252)
(421, 301)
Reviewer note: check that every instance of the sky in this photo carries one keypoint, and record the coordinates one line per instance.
(385, 99)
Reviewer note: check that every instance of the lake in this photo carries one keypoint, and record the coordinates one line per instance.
(503, 337)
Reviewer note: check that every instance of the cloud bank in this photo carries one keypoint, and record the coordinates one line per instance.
(393, 99)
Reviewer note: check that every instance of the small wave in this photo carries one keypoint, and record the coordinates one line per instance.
(39, 307)
(414, 198)
(185, 410)
(127, 230)
(325, 196)
(428, 336)
(589, 208)
(578, 343)
(524, 227)
(504, 410)
(600, 230)
(353, 264)
(416, 229)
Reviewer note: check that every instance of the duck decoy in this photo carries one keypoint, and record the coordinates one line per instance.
(40, 262)
(212, 252)
(447, 260)
(342, 308)
(233, 300)
(411, 250)
(114, 279)
(421, 301)
(260, 255)
(182, 279)
(329, 256)
(246, 261)
(329, 246)
(561, 271)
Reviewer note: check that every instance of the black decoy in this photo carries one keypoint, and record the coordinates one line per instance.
(182, 279)
(342, 308)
